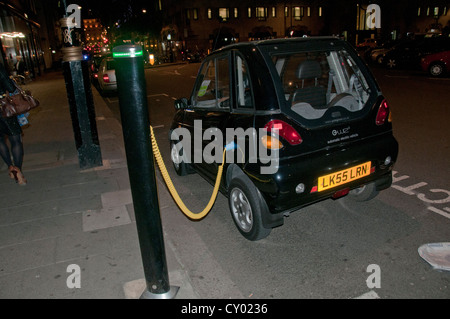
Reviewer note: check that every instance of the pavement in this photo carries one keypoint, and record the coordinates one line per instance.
(67, 220)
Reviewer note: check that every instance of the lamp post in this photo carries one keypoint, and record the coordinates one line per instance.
(79, 93)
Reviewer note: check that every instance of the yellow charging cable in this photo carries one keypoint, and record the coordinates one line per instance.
(174, 192)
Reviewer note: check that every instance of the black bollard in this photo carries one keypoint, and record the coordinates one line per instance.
(131, 87)
(81, 101)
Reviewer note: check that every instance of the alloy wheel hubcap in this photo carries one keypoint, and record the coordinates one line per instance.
(241, 210)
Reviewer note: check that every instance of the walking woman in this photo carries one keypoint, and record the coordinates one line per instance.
(10, 128)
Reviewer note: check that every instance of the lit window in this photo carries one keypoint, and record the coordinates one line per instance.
(209, 13)
(308, 11)
(236, 13)
(274, 12)
(286, 11)
(224, 13)
(195, 13)
(320, 11)
(418, 11)
(298, 13)
(249, 12)
(428, 11)
(261, 13)
(436, 11)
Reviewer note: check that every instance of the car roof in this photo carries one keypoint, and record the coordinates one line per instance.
(257, 43)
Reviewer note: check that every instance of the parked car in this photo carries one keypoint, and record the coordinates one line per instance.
(408, 53)
(376, 54)
(106, 75)
(368, 43)
(436, 64)
(302, 120)
(94, 65)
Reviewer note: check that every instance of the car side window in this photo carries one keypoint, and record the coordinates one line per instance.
(213, 86)
(243, 88)
(223, 82)
(205, 91)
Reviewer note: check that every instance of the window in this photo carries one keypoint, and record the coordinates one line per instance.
(324, 80)
(308, 11)
(209, 13)
(274, 12)
(195, 13)
(436, 11)
(204, 95)
(224, 13)
(261, 13)
(320, 11)
(249, 12)
(244, 93)
(298, 13)
(213, 87)
(223, 82)
(236, 13)
(418, 12)
(286, 12)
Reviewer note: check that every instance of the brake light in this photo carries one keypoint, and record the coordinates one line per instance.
(383, 113)
(285, 131)
(105, 78)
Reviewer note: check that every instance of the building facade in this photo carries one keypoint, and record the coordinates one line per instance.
(204, 25)
(20, 36)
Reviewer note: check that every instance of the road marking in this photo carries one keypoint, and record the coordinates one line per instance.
(409, 191)
(369, 295)
(440, 212)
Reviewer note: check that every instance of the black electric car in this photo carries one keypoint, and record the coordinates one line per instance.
(301, 119)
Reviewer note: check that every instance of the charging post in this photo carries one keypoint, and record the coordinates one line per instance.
(131, 88)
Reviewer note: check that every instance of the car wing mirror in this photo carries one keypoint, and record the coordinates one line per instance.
(181, 104)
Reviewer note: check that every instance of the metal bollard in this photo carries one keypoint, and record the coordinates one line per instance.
(81, 101)
(136, 132)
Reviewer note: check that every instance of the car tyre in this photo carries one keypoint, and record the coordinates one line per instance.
(436, 69)
(246, 207)
(176, 156)
(364, 193)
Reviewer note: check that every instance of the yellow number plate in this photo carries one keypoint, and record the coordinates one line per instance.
(344, 176)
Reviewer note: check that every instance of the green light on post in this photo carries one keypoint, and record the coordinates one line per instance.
(130, 54)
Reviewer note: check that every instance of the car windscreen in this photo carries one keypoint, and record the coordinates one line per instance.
(323, 87)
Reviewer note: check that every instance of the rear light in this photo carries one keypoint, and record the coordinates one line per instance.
(96, 75)
(105, 78)
(285, 131)
(383, 113)
(271, 143)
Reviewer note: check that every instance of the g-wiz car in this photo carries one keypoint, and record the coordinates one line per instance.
(303, 120)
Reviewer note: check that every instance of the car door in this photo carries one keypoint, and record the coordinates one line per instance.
(209, 115)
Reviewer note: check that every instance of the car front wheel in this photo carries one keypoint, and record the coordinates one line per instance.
(176, 155)
(246, 208)
(436, 69)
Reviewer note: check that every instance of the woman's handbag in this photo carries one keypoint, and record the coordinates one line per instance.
(17, 104)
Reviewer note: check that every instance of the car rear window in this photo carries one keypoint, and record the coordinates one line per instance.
(322, 87)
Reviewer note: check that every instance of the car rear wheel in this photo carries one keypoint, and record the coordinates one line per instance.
(246, 208)
(364, 193)
(436, 69)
